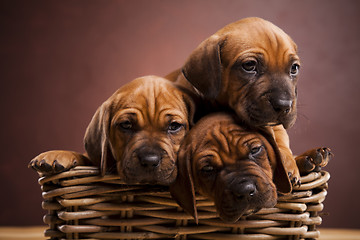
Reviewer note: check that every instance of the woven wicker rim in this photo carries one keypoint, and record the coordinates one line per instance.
(83, 205)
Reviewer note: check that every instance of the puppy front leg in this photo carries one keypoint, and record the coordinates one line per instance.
(56, 161)
(282, 140)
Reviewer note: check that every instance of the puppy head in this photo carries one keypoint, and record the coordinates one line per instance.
(252, 66)
(138, 131)
(239, 169)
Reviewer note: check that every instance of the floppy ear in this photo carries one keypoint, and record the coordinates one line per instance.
(203, 68)
(280, 176)
(96, 138)
(182, 189)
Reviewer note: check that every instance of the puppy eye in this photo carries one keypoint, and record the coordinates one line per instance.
(174, 127)
(207, 169)
(256, 151)
(249, 66)
(294, 70)
(125, 125)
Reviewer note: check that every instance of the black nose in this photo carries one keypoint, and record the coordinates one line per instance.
(245, 190)
(281, 105)
(149, 158)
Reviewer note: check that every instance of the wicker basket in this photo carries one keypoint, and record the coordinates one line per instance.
(83, 205)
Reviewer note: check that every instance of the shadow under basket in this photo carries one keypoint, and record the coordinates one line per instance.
(83, 205)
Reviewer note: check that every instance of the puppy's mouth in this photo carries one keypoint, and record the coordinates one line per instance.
(243, 198)
(268, 117)
(233, 210)
(272, 124)
(152, 178)
(232, 215)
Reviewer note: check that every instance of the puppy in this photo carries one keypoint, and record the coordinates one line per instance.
(238, 168)
(136, 133)
(250, 66)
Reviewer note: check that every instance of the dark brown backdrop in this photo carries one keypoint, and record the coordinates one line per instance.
(61, 59)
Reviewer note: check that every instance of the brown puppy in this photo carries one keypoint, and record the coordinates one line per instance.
(137, 132)
(238, 168)
(250, 66)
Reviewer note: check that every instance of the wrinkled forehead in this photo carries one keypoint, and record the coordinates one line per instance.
(223, 135)
(151, 98)
(258, 35)
(225, 145)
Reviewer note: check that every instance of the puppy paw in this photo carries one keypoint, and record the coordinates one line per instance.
(294, 177)
(53, 162)
(292, 169)
(313, 160)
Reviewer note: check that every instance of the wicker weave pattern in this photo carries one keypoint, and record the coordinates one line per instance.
(83, 205)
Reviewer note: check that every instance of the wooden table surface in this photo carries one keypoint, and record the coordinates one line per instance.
(36, 233)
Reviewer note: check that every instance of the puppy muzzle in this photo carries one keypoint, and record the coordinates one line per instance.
(241, 195)
(149, 157)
